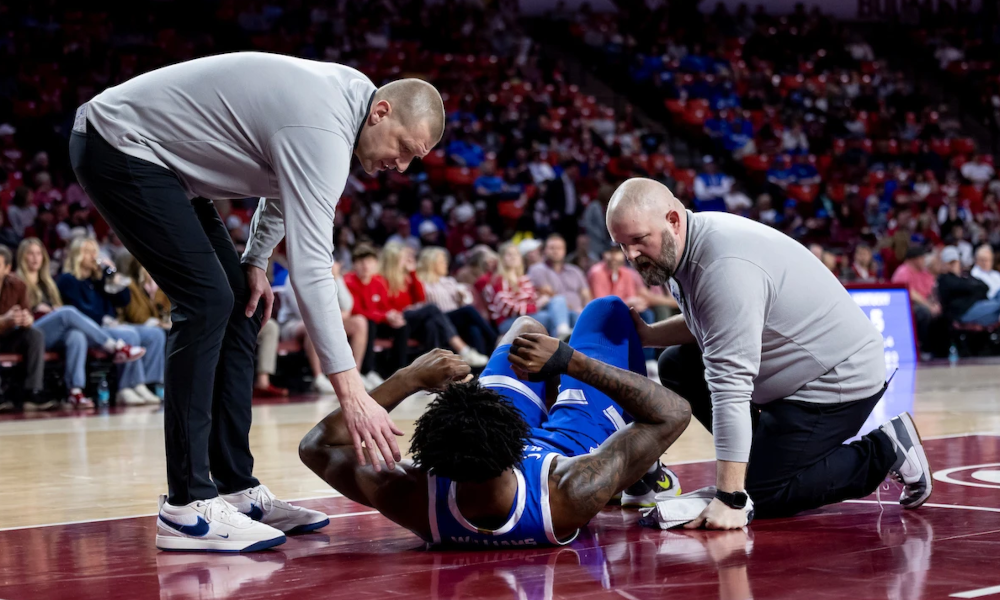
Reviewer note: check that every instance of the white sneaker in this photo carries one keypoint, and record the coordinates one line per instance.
(146, 394)
(212, 526)
(129, 397)
(653, 486)
(259, 504)
(473, 358)
(563, 332)
(911, 467)
(322, 385)
(373, 378)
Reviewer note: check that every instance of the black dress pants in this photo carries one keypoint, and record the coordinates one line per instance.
(186, 248)
(474, 329)
(798, 458)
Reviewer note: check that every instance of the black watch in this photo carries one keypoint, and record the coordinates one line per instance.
(736, 500)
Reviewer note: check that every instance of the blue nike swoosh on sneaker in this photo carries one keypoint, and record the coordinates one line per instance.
(255, 513)
(225, 537)
(199, 529)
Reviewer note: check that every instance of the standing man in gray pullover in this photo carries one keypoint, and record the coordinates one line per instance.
(774, 356)
(151, 154)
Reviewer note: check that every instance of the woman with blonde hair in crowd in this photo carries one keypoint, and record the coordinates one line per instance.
(92, 288)
(428, 324)
(148, 304)
(65, 327)
(510, 295)
(454, 299)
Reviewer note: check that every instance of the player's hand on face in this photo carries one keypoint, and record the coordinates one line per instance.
(719, 516)
(530, 352)
(437, 368)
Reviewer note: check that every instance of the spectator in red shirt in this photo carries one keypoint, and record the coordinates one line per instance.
(428, 325)
(371, 300)
(913, 274)
(510, 294)
(611, 277)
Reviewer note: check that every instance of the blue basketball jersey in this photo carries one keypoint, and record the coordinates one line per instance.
(581, 419)
(528, 524)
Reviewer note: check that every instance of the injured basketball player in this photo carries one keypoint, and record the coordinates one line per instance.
(529, 452)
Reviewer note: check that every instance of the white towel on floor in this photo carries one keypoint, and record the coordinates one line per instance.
(674, 511)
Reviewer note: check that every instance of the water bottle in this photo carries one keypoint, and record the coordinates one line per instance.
(103, 393)
(952, 355)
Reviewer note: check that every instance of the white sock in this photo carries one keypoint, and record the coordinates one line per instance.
(654, 468)
(75, 391)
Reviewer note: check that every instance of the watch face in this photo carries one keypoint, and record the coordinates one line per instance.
(740, 500)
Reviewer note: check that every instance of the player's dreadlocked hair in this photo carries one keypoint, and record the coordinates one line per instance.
(469, 433)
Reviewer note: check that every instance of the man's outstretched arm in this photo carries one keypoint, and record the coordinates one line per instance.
(586, 483)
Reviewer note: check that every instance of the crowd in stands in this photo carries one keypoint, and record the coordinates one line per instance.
(806, 130)
(839, 149)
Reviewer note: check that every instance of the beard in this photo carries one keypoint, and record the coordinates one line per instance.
(657, 271)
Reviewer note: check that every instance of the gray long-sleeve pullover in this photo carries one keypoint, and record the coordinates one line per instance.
(772, 322)
(250, 124)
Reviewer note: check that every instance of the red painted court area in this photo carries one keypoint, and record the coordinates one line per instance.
(948, 548)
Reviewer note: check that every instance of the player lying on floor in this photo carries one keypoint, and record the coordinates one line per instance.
(493, 465)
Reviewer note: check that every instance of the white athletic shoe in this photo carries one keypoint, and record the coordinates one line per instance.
(259, 504)
(129, 397)
(563, 332)
(211, 526)
(322, 385)
(146, 394)
(653, 486)
(473, 358)
(911, 467)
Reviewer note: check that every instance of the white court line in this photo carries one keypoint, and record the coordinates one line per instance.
(355, 514)
(987, 591)
(932, 505)
(332, 494)
(625, 594)
(958, 435)
(945, 476)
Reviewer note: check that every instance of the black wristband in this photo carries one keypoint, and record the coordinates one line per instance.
(557, 364)
(737, 500)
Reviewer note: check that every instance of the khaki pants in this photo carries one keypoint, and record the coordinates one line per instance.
(267, 348)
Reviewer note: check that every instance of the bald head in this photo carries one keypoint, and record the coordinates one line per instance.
(650, 225)
(641, 197)
(415, 102)
(406, 121)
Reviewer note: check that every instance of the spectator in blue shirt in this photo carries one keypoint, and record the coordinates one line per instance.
(780, 173)
(463, 151)
(716, 125)
(723, 97)
(737, 137)
(711, 187)
(803, 172)
(95, 292)
(491, 186)
(427, 214)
